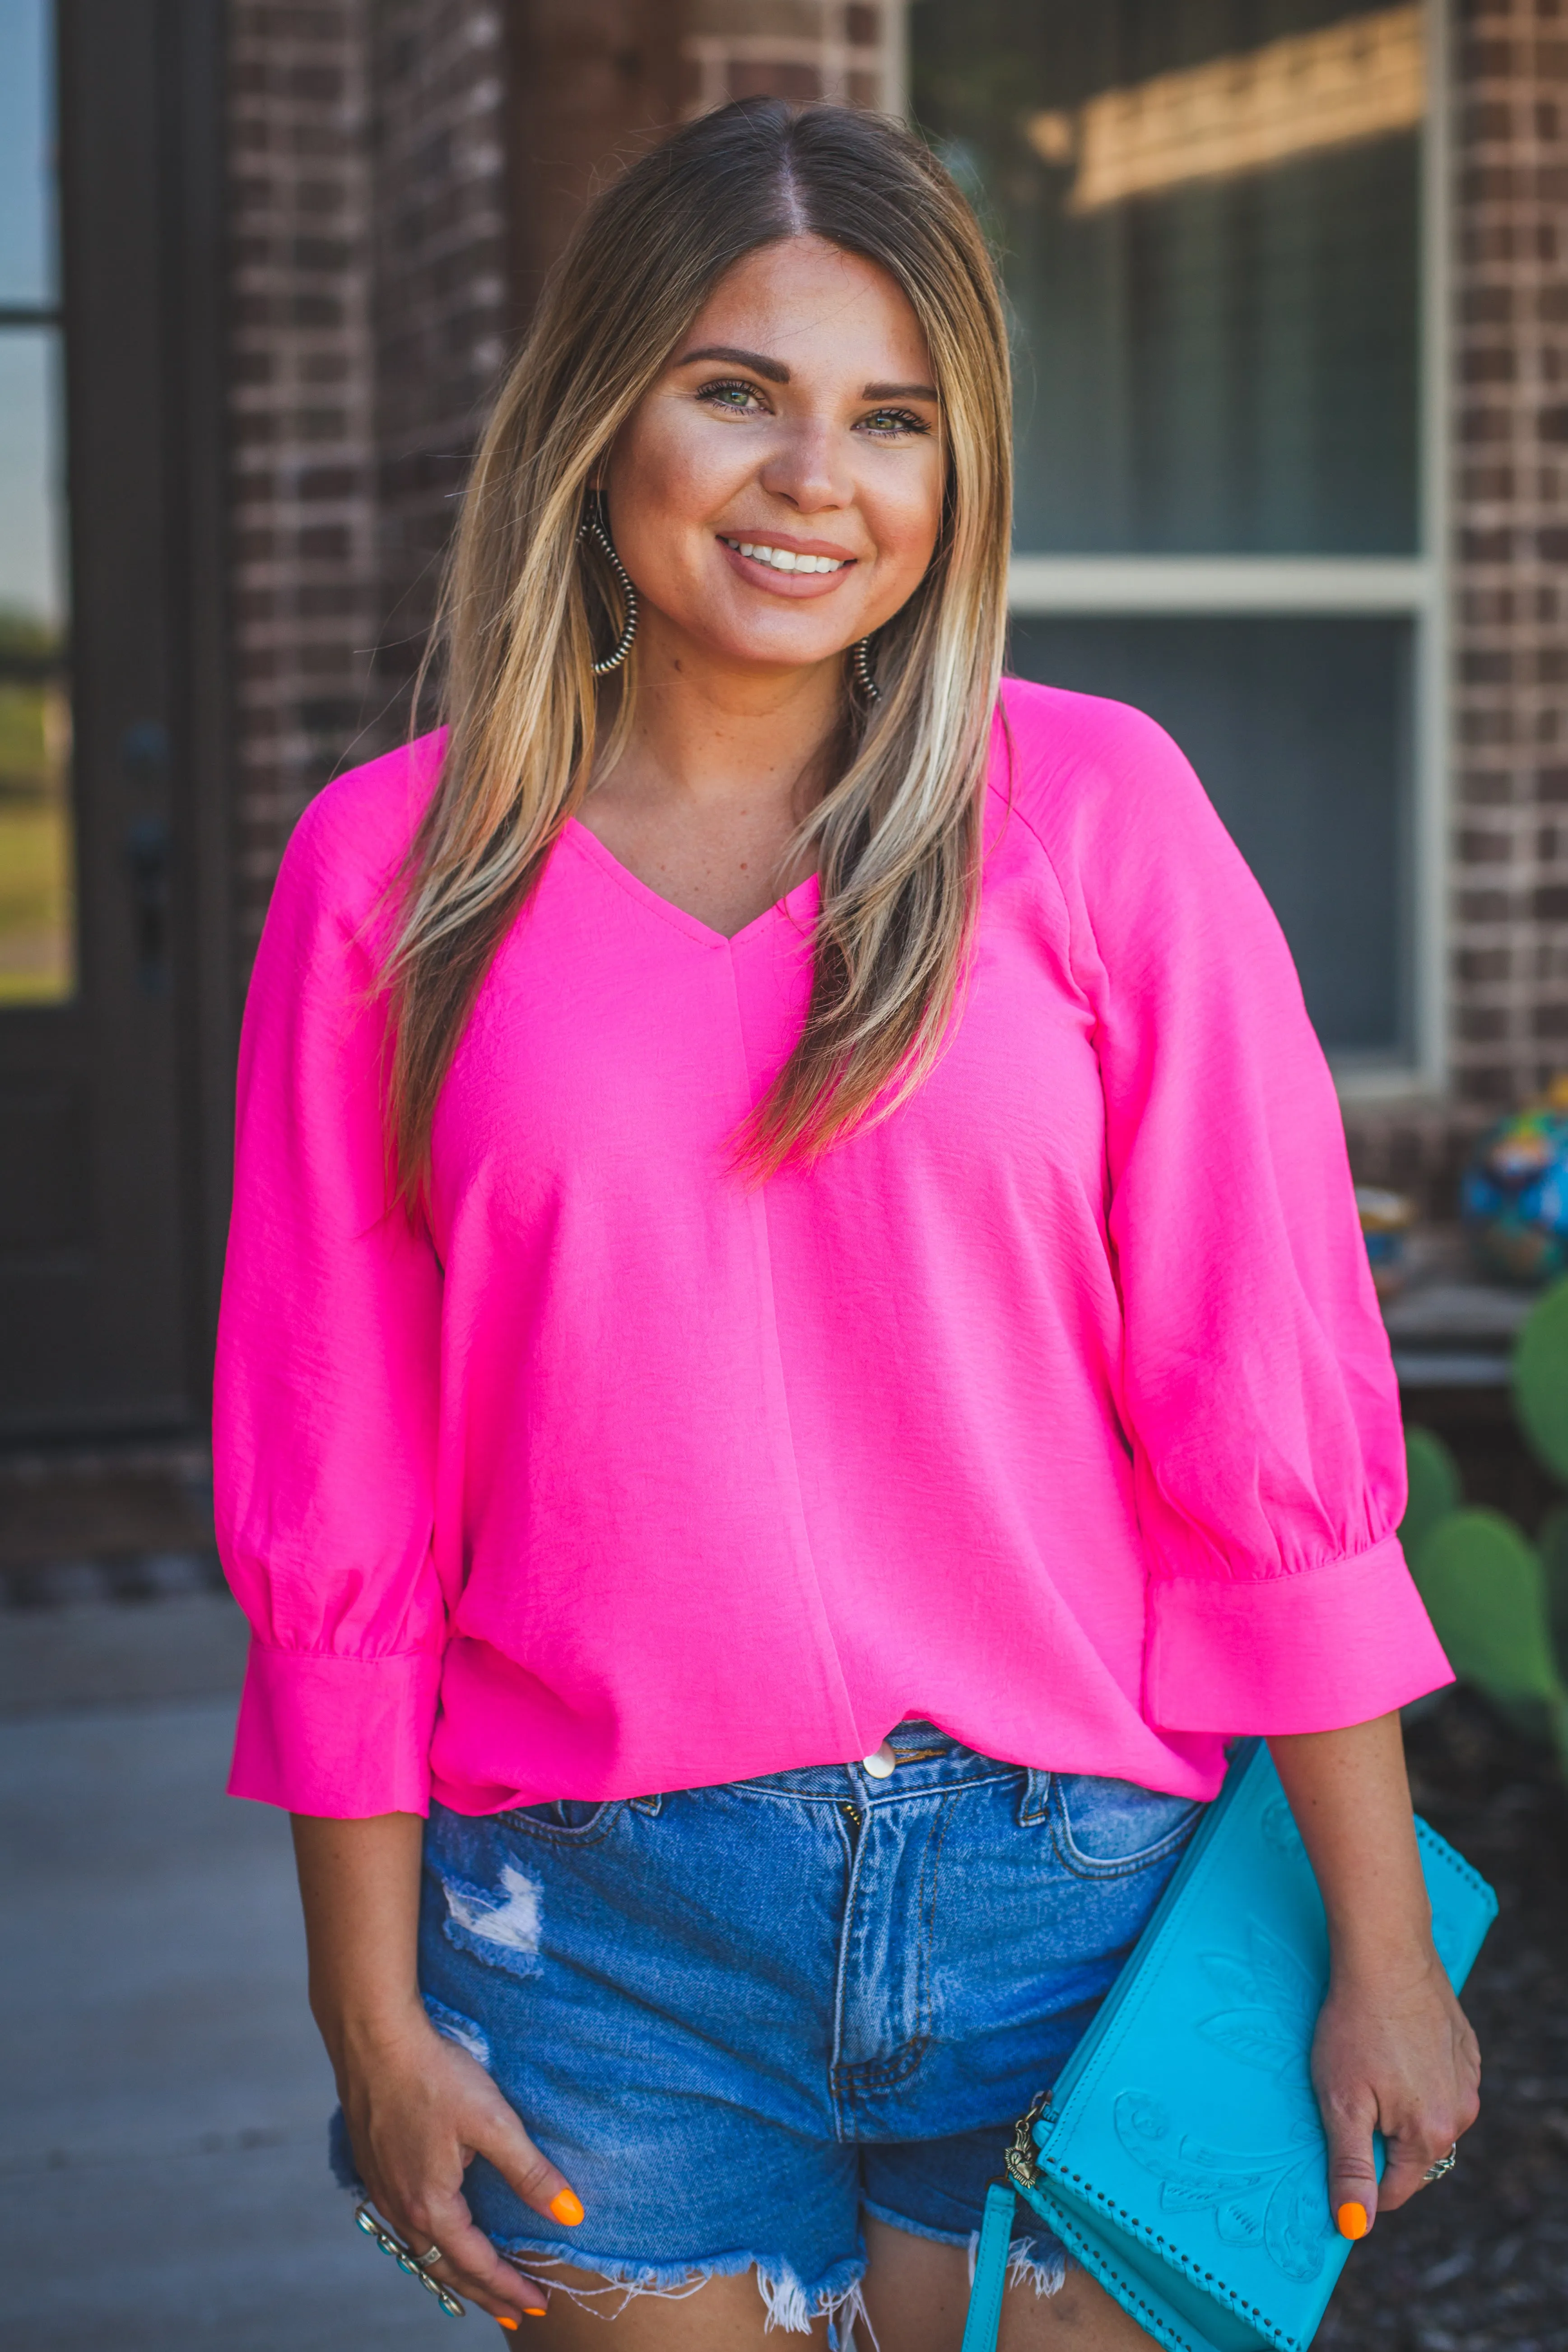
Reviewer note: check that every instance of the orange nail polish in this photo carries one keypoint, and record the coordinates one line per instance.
(567, 2206)
(1351, 2219)
(510, 2324)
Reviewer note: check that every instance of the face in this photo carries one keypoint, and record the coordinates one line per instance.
(777, 493)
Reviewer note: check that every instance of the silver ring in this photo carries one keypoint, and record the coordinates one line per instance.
(390, 2244)
(1444, 2164)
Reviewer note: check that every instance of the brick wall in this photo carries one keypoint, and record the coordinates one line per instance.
(850, 52)
(402, 173)
(370, 313)
(442, 301)
(1509, 906)
(593, 82)
(303, 579)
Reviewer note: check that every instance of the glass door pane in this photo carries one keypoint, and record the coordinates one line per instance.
(1299, 728)
(38, 921)
(37, 945)
(1209, 215)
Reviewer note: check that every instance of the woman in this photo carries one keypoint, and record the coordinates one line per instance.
(796, 1354)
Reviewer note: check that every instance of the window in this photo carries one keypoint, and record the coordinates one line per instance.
(1216, 217)
(38, 948)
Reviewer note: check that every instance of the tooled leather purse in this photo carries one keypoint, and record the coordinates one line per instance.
(1179, 2157)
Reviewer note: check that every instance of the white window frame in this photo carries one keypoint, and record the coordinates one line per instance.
(1415, 586)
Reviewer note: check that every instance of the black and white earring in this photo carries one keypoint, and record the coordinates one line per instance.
(593, 526)
(869, 686)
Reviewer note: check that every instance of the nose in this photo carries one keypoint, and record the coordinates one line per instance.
(810, 467)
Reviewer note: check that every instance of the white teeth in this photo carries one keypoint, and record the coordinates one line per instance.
(783, 559)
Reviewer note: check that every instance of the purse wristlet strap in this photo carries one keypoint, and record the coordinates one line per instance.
(984, 2319)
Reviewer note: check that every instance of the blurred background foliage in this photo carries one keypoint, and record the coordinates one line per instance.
(1498, 1598)
(36, 880)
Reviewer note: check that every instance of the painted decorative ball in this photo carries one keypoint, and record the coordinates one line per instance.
(1385, 1222)
(1513, 1196)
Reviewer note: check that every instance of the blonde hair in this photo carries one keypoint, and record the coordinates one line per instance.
(896, 839)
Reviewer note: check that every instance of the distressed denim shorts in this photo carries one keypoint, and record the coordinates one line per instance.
(739, 2017)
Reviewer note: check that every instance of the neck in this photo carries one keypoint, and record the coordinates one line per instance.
(707, 733)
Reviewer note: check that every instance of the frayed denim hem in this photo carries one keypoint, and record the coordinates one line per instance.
(1045, 2272)
(791, 2306)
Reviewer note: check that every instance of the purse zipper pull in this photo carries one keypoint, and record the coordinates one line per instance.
(1021, 2164)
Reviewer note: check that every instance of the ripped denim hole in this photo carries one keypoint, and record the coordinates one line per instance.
(460, 2029)
(1027, 2266)
(501, 1924)
(790, 2306)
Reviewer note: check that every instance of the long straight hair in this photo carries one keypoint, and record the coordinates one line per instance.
(525, 607)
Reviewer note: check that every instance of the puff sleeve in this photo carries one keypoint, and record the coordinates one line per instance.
(327, 1379)
(1258, 1390)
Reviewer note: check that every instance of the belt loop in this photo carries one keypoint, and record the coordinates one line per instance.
(645, 1804)
(1035, 1802)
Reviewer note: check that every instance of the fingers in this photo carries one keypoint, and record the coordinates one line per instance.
(470, 2265)
(415, 2128)
(467, 2264)
(1431, 2127)
(1399, 2058)
(1412, 2154)
(1408, 2160)
(1352, 2174)
(526, 2169)
(436, 2215)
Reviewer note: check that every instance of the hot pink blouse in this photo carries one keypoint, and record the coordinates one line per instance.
(1057, 1408)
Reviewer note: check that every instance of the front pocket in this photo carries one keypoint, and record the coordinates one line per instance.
(1108, 1829)
(564, 1820)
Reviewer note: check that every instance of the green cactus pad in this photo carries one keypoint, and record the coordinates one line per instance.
(1552, 1545)
(1540, 1379)
(1435, 1491)
(1486, 1589)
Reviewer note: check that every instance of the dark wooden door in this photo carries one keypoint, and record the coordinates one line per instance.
(106, 711)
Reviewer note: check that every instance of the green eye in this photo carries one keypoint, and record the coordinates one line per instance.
(895, 420)
(727, 395)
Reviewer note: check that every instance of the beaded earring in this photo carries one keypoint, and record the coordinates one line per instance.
(593, 526)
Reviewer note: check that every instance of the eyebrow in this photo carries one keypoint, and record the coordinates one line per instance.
(776, 373)
(774, 370)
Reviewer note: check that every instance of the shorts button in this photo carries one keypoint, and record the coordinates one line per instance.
(882, 1763)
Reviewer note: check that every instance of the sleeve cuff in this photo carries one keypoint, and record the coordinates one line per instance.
(343, 1738)
(1314, 1650)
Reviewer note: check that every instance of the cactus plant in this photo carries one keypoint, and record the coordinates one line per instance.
(1435, 1491)
(1552, 1545)
(1499, 1602)
(1486, 1589)
(1541, 1379)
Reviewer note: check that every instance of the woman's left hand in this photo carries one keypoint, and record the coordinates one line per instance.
(1394, 2052)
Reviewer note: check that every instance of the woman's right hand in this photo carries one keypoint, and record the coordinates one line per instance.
(419, 2110)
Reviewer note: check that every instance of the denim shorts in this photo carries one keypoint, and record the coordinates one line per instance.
(739, 2017)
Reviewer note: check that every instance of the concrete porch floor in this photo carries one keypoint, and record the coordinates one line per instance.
(164, 2099)
(163, 2095)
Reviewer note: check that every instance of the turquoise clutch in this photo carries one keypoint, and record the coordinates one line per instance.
(1179, 2156)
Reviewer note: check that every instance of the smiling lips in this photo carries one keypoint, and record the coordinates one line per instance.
(784, 559)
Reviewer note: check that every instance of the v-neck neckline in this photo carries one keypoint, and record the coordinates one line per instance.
(797, 904)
